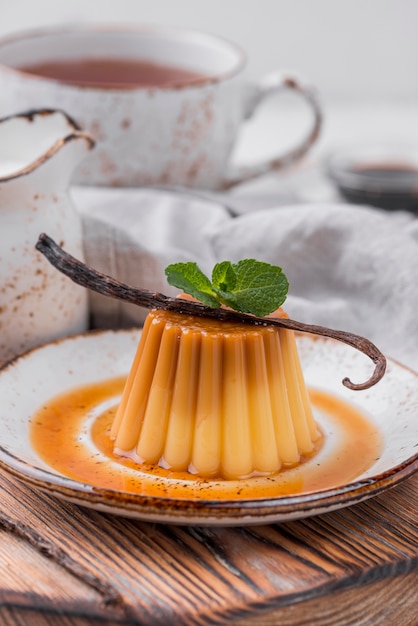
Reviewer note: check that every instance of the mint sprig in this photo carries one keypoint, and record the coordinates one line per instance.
(248, 286)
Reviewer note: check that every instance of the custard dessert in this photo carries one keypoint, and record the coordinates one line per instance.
(216, 389)
(215, 398)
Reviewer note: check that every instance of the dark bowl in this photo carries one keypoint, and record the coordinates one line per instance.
(380, 176)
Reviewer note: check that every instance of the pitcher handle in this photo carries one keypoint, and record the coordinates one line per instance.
(270, 85)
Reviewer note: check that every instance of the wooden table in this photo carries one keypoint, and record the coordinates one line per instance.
(65, 565)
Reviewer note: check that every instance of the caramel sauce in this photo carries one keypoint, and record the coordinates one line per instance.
(71, 434)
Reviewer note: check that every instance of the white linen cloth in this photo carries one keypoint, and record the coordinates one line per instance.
(350, 267)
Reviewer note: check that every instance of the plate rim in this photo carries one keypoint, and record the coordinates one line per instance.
(189, 510)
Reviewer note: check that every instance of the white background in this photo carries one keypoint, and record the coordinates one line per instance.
(348, 48)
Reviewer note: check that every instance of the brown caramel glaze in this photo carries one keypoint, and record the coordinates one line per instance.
(70, 434)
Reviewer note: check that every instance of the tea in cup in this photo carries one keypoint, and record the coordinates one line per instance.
(165, 105)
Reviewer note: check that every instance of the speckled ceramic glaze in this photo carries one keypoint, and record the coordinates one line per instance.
(31, 380)
(181, 135)
(38, 153)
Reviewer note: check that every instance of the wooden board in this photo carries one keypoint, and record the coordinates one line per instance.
(65, 565)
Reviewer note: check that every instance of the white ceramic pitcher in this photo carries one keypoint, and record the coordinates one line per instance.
(39, 151)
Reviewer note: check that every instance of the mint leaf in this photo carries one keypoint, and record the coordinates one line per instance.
(189, 278)
(260, 288)
(248, 286)
(223, 276)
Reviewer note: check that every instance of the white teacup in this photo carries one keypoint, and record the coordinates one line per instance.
(180, 133)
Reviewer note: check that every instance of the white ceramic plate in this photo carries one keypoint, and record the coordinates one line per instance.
(35, 377)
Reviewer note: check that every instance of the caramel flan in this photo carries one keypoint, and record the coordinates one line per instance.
(215, 398)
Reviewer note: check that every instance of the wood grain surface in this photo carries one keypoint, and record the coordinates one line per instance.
(64, 565)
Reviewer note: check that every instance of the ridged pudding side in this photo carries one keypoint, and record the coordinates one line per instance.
(217, 399)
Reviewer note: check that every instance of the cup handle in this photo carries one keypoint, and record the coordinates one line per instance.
(273, 84)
